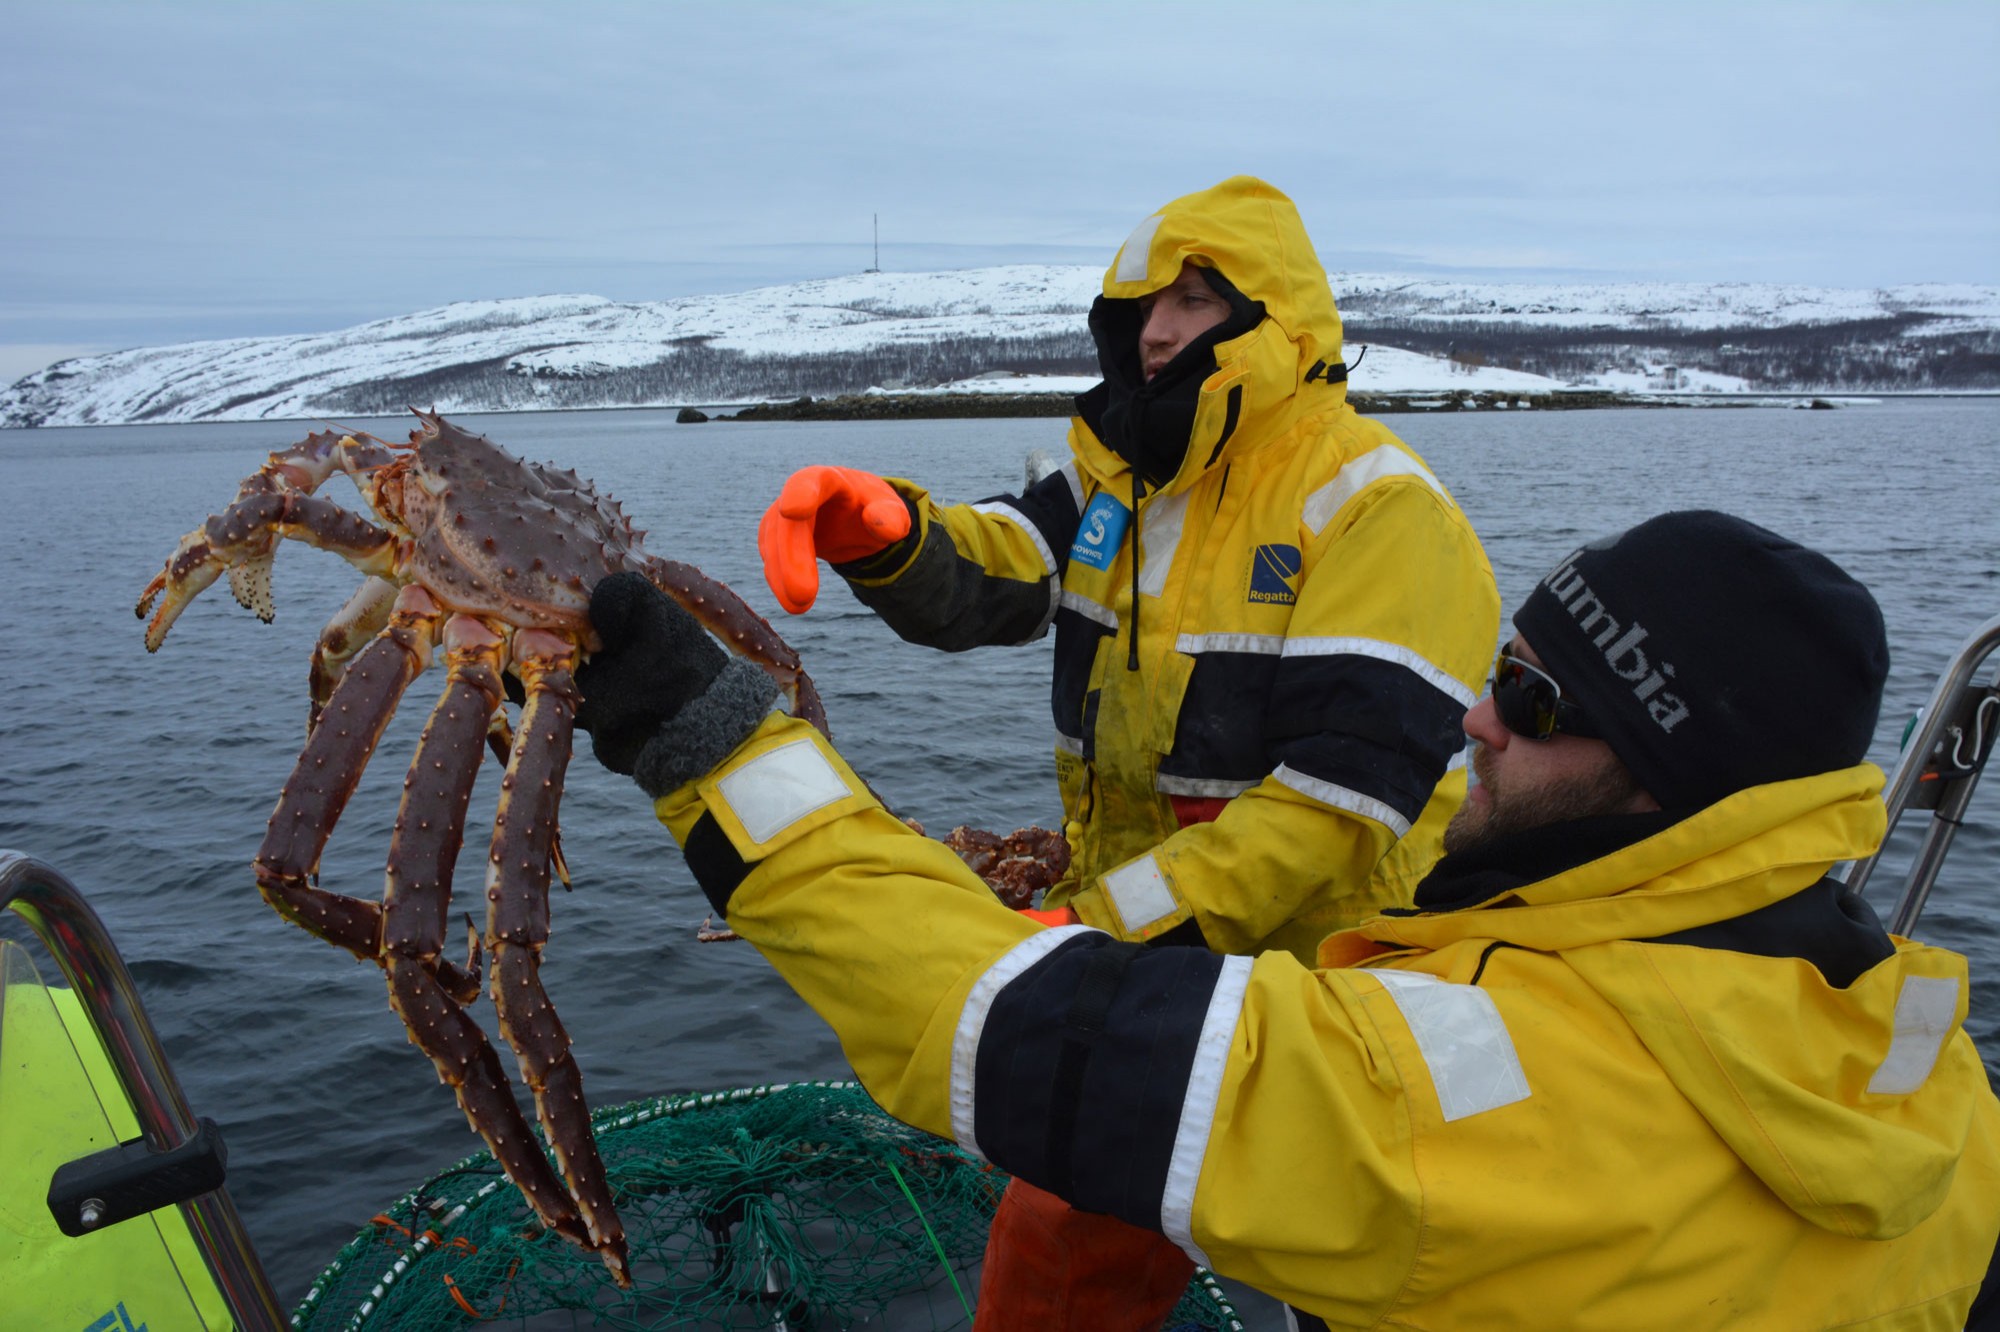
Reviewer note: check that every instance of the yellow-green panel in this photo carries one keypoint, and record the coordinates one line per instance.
(59, 1100)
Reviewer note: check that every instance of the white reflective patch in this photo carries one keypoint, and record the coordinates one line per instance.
(1159, 538)
(1463, 1040)
(1394, 653)
(1069, 744)
(1204, 1092)
(1926, 1012)
(1375, 465)
(1139, 893)
(1138, 246)
(1215, 788)
(1089, 609)
(1267, 645)
(775, 790)
(972, 1023)
(1341, 798)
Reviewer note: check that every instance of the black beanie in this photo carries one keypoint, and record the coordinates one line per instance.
(1712, 655)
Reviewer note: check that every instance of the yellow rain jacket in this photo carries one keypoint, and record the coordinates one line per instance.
(1608, 1098)
(1312, 614)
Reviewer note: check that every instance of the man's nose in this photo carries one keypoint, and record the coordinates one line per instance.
(1482, 723)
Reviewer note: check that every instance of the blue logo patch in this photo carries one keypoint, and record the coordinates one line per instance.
(1273, 574)
(1098, 535)
(115, 1321)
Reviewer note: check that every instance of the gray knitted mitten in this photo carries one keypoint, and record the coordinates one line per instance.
(662, 701)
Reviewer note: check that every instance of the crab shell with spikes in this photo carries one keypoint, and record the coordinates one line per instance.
(488, 560)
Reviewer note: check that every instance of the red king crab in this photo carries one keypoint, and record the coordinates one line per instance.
(490, 559)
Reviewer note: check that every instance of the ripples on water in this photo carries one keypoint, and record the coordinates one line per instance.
(148, 779)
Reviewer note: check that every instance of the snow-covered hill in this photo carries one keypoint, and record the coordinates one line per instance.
(908, 331)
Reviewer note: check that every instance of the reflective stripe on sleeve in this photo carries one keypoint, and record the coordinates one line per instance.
(1002, 509)
(1926, 1012)
(1395, 653)
(1139, 893)
(1463, 1040)
(972, 1023)
(1089, 610)
(1008, 513)
(1204, 1091)
(1340, 797)
(778, 788)
(1069, 475)
(1083, 1060)
(1376, 465)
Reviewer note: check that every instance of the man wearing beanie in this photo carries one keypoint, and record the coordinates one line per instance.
(1632, 1059)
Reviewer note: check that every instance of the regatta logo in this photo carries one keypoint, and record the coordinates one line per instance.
(1100, 531)
(115, 1321)
(1619, 644)
(1274, 572)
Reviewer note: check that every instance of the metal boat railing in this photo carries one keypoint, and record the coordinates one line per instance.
(1942, 760)
(82, 948)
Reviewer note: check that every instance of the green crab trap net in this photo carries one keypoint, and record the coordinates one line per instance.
(798, 1206)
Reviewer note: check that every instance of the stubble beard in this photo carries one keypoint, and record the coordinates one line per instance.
(1608, 788)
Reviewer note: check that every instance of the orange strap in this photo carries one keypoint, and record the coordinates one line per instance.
(835, 514)
(1051, 915)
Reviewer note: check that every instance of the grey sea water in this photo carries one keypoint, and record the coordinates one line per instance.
(148, 779)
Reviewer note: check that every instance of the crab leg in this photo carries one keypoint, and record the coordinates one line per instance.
(517, 925)
(345, 634)
(428, 993)
(328, 770)
(500, 739)
(729, 617)
(274, 502)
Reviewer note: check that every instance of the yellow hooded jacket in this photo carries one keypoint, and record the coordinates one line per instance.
(1576, 1105)
(1312, 615)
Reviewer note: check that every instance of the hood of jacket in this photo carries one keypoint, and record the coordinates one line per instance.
(1852, 1104)
(1278, 359)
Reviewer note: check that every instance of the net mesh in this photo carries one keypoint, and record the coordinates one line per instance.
(798, 1206)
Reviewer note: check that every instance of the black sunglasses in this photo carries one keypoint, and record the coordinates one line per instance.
(1531, 705)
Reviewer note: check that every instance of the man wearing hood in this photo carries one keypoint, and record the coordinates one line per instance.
(1269, 617)
(1632, 1058)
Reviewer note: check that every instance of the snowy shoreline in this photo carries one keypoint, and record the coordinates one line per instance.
(1022, 329)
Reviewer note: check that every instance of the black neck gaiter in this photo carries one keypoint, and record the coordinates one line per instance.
(1148, 423)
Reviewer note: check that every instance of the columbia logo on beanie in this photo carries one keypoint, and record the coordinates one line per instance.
(1712, 654)
(1622, 651)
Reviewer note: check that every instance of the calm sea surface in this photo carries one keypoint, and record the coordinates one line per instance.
(148, 779)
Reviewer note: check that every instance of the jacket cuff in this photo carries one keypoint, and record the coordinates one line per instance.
(703, 732)
(783, 783)
(889, 563)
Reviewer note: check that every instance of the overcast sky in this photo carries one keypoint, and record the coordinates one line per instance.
(173, 171)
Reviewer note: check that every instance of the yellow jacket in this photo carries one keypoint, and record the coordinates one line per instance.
(1534, 1111)
(1313, 616)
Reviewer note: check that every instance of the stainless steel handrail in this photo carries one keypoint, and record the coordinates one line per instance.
(77, 939)
(1945, 711)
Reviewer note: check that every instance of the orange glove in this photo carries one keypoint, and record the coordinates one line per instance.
(825, 513)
